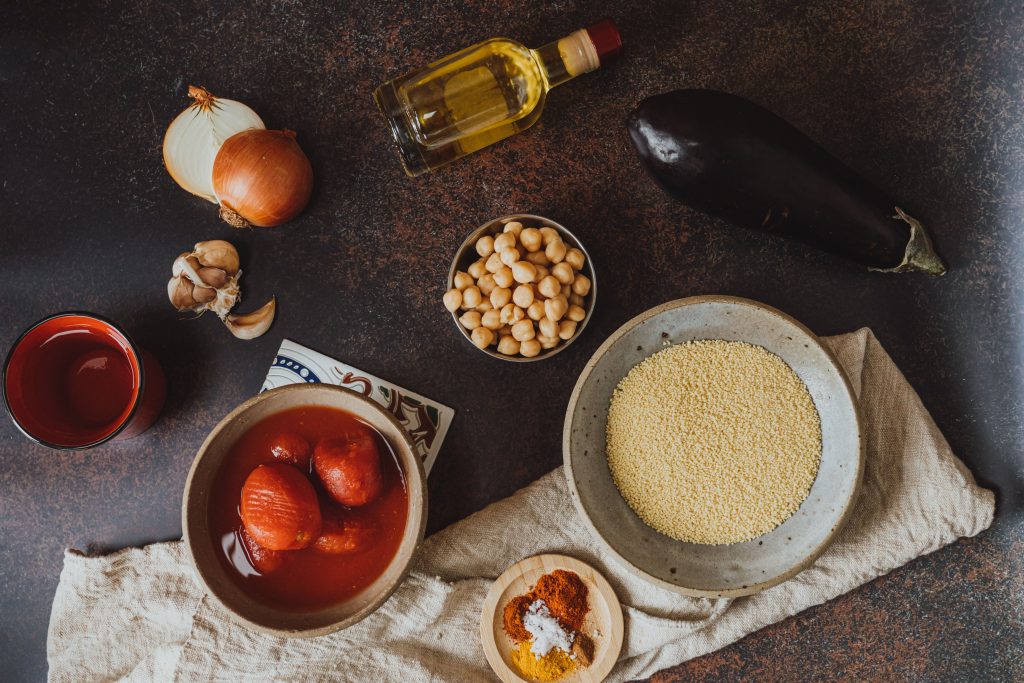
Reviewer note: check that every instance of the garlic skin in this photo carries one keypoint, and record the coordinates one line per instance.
(206, 279)
(196, 135)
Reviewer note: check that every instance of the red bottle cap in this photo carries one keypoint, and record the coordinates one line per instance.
(606, 39)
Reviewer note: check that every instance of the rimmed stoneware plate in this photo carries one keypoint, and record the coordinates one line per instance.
(603, 624)
(714, 570)
(203, 548)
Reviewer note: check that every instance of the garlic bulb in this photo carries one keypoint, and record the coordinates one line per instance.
(196, 135)
(206, 279)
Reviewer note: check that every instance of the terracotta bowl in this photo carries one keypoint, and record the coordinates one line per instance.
(466, 254)
(714, 570)
(204, 549)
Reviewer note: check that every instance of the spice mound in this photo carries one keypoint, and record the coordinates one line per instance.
(713, 441)
(546, 625)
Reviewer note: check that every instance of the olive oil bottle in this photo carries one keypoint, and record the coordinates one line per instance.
(485, 93)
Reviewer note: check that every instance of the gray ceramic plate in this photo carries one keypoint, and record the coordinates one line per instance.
(704, 570)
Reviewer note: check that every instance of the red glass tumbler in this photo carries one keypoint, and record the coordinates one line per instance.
(75, 380)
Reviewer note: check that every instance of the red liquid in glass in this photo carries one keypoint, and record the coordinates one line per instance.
(73, 384)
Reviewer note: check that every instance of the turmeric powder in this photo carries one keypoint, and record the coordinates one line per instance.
(551, 667)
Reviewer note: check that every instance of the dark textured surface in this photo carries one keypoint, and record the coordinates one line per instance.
(925, 98)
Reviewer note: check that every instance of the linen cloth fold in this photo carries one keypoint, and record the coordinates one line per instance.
(140, 614)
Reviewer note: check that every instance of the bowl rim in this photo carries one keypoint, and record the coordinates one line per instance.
(468, 243)
(750, 589)
(373, 605)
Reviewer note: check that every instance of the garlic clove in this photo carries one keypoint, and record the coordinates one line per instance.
(204, 295)
(196, 135)
(179, 291)
(213, 277)
(217, 254)
(252, 325)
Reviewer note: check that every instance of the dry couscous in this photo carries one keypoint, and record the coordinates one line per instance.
(713, 441)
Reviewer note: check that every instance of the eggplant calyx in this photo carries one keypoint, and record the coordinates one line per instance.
(920, 254)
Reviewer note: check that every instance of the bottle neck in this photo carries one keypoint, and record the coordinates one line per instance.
(567, 57)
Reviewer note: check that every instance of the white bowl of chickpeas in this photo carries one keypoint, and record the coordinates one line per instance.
(521, 288)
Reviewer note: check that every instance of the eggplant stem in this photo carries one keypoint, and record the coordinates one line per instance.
(920, 254)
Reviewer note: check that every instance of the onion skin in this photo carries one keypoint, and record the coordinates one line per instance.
(262, 178)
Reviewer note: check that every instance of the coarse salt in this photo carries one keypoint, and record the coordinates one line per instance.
(546, 631)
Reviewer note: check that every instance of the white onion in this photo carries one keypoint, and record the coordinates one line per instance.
(196, 135)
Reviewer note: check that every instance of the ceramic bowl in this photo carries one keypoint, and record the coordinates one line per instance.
(204, 549)
(714, 570)
(467, 254)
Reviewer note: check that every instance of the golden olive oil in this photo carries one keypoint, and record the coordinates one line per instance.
(483, 94)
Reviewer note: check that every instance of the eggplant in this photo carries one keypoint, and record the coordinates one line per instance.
(732, 158)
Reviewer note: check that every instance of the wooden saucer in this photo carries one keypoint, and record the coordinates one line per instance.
(605, 617)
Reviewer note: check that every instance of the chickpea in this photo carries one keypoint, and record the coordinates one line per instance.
(575, 313)
(477, 268)
(566, 329)
(563, 273)
(486, 284)
(524, 272)
(462, 280)
(504, 241)
(537, 258)
(536, 310)
(453, 300)
(530, 348)
(508, 345)
(471, 297)
(482, 337)
(493, 264)
(523, 330)
(556, 250)
(505, 331)
(509, 256)
(548, 327)
(523, 296)
(548, 342)
(566, 291)
(514, 227)
(531, 239)
(581, 285)
(500, 296)
(576, 300)
(470, 320)
(491, 319)
(542, 272)
(511, 314)
(549, 287)
(556, 307)
(549, 235)
(485, 246)
(574, 257)
(484, 306)
(503, 278)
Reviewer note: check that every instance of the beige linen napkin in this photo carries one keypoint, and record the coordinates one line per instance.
(140, 615)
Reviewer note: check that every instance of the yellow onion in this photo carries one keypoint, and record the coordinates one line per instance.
(220, 150)
(261, 177)
(196, 135)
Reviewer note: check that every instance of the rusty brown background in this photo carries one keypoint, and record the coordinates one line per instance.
(924, 97)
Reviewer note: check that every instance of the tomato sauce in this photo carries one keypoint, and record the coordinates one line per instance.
(306, 579)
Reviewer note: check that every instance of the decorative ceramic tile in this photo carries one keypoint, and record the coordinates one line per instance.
(426, 421)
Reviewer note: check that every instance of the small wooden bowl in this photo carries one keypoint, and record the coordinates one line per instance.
(203, 548)
(605, 617)
(467, 254)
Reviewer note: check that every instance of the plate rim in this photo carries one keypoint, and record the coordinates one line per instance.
(753, 588)
(489, 610)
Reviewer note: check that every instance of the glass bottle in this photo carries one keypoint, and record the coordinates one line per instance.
(484, 93)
